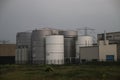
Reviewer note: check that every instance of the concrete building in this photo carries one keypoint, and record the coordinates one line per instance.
(114, 38)
(107, 51)
(102, 52)
(89, 53)
(7, 53)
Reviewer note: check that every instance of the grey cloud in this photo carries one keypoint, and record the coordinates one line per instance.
(23, 15)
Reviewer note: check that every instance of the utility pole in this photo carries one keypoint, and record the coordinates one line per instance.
(86, 29)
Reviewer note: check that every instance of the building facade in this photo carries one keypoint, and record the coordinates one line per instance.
(7, 53)
(102, 52)
(114, 38)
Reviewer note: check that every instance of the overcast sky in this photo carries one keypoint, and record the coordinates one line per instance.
(22, 15)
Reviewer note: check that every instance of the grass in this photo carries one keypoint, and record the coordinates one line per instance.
(60, 72)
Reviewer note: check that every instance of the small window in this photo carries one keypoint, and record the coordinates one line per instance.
(109, 57)
(109, 37)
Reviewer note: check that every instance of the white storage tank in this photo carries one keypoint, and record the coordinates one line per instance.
(55, 49)
(83, 41)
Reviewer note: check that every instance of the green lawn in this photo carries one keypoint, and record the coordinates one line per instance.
(62, 72)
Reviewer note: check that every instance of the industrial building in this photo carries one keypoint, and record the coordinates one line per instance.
(103, 52)
(54, 46)
(114, 38)
(33, 47)
(7, 53)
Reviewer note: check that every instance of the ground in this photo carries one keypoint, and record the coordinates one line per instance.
(60, 72)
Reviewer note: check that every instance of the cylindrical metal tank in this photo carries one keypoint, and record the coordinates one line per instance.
(69, 45)
(83, 41)
(55, 49)
(23, 39)
(24, 54)
(17, 56)
(69, 33)
(38, 45)
(55, 32)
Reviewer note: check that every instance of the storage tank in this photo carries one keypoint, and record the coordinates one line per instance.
(83, 41)
(55, 49)
(55, 32)
(23, 40)
(69, 33)
(24, 55)
(69, 45)
(38, 45)
(17, 56)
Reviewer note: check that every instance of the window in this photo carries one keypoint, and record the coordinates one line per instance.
(109, 37)
(109, 57)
